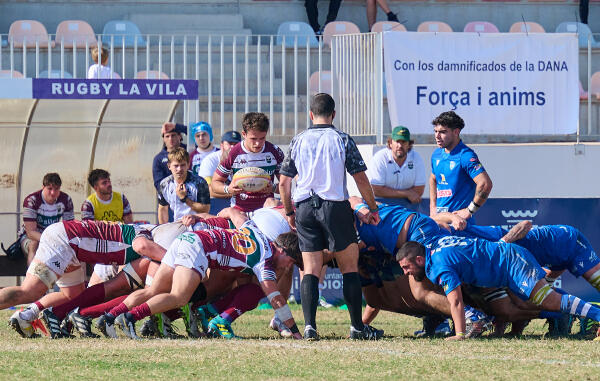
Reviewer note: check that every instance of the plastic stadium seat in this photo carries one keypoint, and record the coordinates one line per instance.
(152, 74)
(582, 93)
(27, 32)
(76, 31)
(481, 27)
(6, 74)
(338, 27)
(582, 30)
(595, 86)
(434, 26)
(122, 29)
(385, 26)
(325, 82)
(55, 74)
(290, 29)
(526, 27)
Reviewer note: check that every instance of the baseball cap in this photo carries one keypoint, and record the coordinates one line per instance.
(401, 133)
(231, 137)
(202, 126)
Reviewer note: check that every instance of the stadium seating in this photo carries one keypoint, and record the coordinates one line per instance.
(152, 74)
(384, 26)
(325, 82)
(582, 93)
(481, 27)
(75, 31)
(595, 86)
(55, 74)
(434, 26)
(6, 74)
(28, 32)
(582, 30)
(526, 27)
(289, 31)
(337, 28)
(119, 30)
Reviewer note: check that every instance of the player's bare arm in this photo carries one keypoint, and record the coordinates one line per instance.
(31, 230)
(285, 189)
(235, 215)
(517, 232)
(366, 191)
(148, 248)
(457, 307)
(163, 214)
(279, 304)
(220, 189)
(432, 196)
(413, 194)
(482, 191)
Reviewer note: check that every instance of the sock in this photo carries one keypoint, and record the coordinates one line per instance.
(572, 305)
(31, 312)
(173, 314)
(550, 315)
(473, 314)
(89, 297)
(118, 310)
(353, 297)
(244, 301)
(99, 309)
(140, 312)
(309, 293)
(220, 305)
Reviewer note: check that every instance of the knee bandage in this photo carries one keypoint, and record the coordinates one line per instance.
(595, 280)
(133, 278)
(47, 276)
(541, 294)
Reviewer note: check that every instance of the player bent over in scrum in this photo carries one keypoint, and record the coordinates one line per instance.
(63, 247)
(457, 260)
(185, 264)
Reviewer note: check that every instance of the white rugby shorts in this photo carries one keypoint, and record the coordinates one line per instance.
(54, 249)
(187, 251)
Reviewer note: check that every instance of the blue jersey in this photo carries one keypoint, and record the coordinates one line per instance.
(454, 173)
(556, 247)
(384, 236)
(478, 262)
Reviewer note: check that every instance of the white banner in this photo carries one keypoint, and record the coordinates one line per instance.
(499, 83)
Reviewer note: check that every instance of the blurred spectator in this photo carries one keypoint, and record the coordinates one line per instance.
(312, 12)
(100, 70)
(171, 136)
(372, 12)
(203, 135)
(105, 205)
(40, 210)
(182, 191)
(211, 162)
(398, 171)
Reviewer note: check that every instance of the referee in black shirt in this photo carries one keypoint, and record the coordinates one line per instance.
(320, 156)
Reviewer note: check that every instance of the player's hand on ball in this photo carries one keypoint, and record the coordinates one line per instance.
(234, 190)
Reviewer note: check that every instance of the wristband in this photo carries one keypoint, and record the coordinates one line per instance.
(473, 207)
(460, 334)
(375, 210)
(289, 214)
(360, 206)
(183, 199)
(226, 189)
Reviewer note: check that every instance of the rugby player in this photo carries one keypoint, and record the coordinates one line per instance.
(58, 260)
(453, 261)
(184, 266)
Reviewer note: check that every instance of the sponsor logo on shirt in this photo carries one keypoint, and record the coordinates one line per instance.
(410, 165)
(437, 162)
(441, 193)
(443, 180)
(477, 167)
(452, 165)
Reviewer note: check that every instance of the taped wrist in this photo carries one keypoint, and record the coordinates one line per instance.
(284, 313)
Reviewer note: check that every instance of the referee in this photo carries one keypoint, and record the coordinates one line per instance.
(320, 157)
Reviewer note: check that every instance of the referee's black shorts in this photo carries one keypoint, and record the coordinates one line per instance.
(329, 226)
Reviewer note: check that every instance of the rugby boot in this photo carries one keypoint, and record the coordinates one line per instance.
(310, 334)
(23, 327)
(559, 327)
(324, 303)
(190, 320)
(150, 327)
(278, 326)
(367, 333)
(166, 328)
(219, 327)
(106, 325)
(430, 323)
(82, 324)
(204, 316)
(53, 325)
(126, 322)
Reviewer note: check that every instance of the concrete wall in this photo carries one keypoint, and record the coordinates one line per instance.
(552, 170)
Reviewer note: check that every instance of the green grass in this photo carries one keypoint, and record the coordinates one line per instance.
(262, 355)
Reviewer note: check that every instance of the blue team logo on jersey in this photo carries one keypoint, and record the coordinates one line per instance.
(452, 165)
(410, 165)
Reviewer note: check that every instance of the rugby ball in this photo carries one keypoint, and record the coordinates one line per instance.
(251, 179)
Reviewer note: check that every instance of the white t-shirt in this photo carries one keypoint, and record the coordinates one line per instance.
(383, 170)
(97, 71)
(209, 163)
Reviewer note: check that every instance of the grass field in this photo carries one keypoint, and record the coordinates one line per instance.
(262, 355)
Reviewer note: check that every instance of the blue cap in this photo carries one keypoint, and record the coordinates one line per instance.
(231, 137)
(202, 126)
